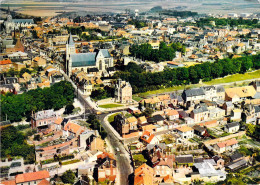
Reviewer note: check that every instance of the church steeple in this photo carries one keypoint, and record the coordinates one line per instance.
(70, 40)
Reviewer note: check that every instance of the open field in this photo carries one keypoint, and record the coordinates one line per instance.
(205, 6)
(235, 77)
(112, 105)
(228, 79)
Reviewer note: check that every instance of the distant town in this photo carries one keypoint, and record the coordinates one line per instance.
(162, 97)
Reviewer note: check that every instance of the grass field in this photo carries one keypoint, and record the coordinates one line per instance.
(112, 105)
(137, 98)
(235, 77)
(228, 79)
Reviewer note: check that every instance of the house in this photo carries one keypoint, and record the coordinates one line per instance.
(39, 62)
(200, 131)
(123, 92)
(141, 120)
(5, 64)
(232, 127)
(236, 165)
(237, 94)
(207, 172)
(228, 145)
(256, 85)
(172, 64)
(185, 132)
(72, 129)
(158, 119)
(171, 114)
(39, 178)
(228, 107)
(106, 167)
(132, 121)
(210, 92)
(89, 140)
(42, 119)
(220, 92)
(143, 175)
(120, 124)
(236, 115)
(184, 159)
(195, 94)
(200, 114)
(149, 138)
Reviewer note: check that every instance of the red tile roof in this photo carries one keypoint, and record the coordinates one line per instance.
(44, 182)
(5, 62)
(10, 182)
(227, 143)
(72, 127)
(147, 133)
(33, 176)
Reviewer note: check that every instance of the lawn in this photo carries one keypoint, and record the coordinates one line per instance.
(235, 77)
(228, 79)
(111, 117)
(137, 98)
(112, 105)
(70, 162)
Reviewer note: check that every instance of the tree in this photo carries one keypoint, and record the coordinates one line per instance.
(148, 112)
(68, 177)
(69, 109)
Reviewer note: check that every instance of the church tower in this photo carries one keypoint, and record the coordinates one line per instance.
(9, 22)
(70, 49)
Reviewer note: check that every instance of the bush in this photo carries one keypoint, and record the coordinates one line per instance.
(69, 109)
(68, 177)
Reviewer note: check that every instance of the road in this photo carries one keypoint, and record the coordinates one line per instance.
(123, 157)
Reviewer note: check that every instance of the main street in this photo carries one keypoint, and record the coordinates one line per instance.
(123, 157)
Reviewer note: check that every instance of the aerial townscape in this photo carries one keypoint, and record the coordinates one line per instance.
(130, 93)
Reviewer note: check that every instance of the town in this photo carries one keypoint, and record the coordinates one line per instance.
(161, 97)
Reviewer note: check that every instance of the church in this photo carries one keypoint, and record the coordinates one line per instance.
(13, 24)
(99, 60)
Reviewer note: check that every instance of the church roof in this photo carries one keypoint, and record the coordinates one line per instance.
(83, 59)
(105, 53)
(70, 41)
(23, 21)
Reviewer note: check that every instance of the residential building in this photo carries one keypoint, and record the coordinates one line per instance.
(229, 145)
(106, 167)
(132, 121)
(40, 177)
(143, 175)
(232, 127)
(185, 132)
(120, 124)
(43, 118)
(123, 92)
(200, 114)
(193, 95)
(237, 94)
(72, 129)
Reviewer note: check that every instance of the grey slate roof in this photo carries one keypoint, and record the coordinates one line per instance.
(83, 59)
(207, 88)
(236, 165)
(23, 21)
(236, 156)
(194, 92)
(220, 88)
(233, 124)
(199, 110)
(257, 109)
(257, 95)
(184, 159)
(105, 53)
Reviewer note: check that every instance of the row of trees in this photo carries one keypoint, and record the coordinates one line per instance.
(137, 23)
(95, 124)
(145, 81)
(164, 53)
(179, 13)
(13, 143)
(224, 22)
(100, 94)
(15, 107)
